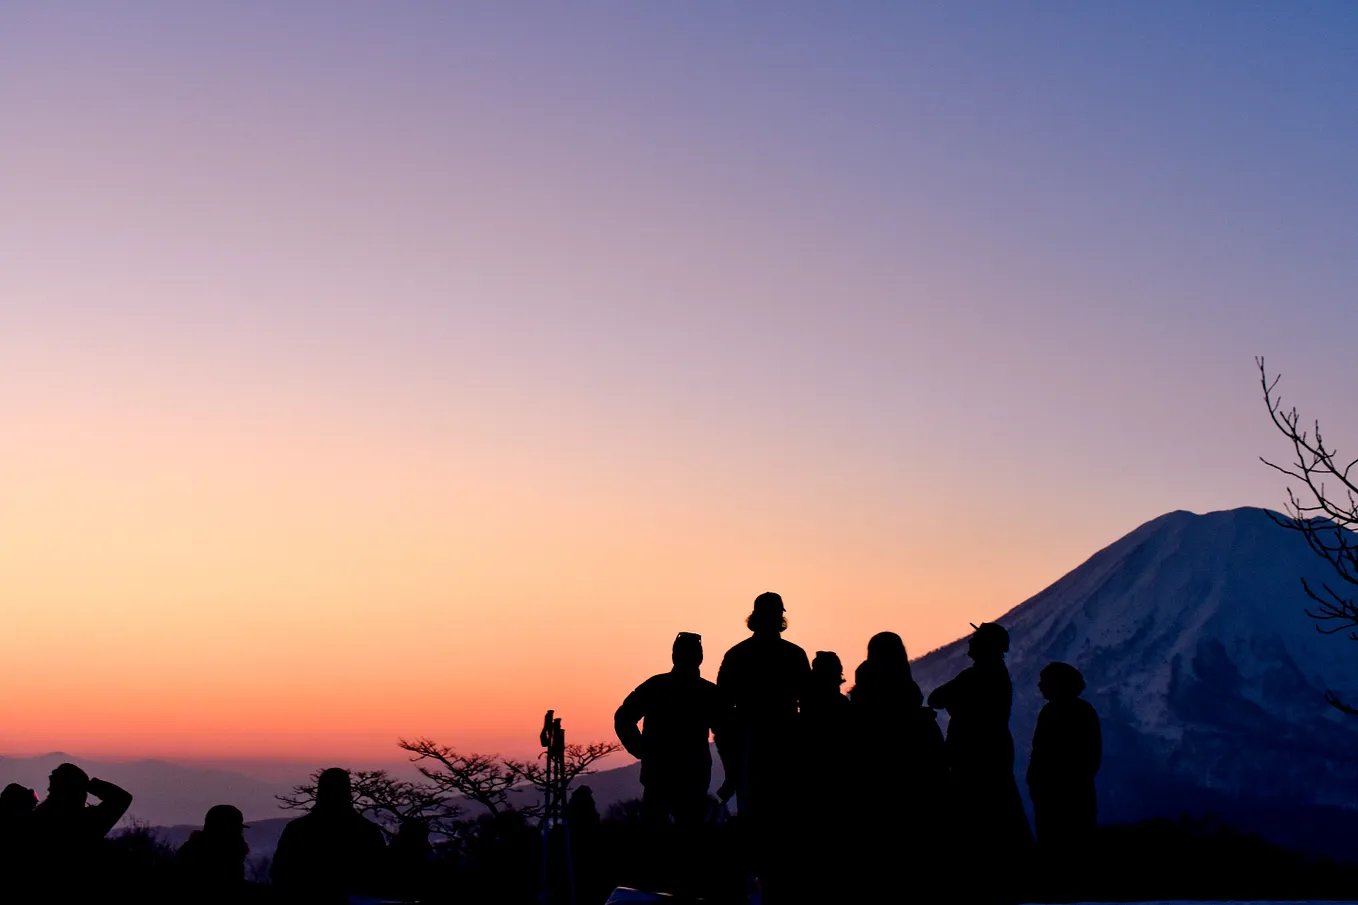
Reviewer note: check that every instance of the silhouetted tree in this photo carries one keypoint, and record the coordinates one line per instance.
(388, 802)
(579, 758)
(482, 778)
(1326, 514)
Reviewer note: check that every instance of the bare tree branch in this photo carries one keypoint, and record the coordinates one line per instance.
(388, 802)
(579, 758)
(482, 778)
(1326, 515)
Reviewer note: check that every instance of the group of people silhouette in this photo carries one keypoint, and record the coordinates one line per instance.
(839, 797)
(51, 849)
(793, 746)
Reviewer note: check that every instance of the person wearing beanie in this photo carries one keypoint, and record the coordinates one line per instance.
(1067, 748)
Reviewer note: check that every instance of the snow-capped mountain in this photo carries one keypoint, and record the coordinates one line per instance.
(1207, 673)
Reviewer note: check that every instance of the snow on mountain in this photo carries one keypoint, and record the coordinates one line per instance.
(1207, 673)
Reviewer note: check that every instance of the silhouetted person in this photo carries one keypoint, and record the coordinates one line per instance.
(901, 748)
(16, 809)
(825, 711)
(766, 678)
(331, 852)
(1067, 748)
(680, 709)
(582, 812)
(986, 808)
(410, 857)
(66, 835)
(212, 861)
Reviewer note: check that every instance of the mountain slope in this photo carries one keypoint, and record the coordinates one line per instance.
(1206, 672)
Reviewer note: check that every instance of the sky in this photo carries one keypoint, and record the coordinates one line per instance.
(380, 370)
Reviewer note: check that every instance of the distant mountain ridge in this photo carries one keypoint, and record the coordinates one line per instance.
(163, 793)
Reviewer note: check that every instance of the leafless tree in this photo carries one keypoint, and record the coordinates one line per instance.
(579, 758)
(1325, 513)
(388, 801)
(482, 778)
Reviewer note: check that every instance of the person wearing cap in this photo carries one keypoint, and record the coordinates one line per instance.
(332, 852)
(212, 862)
(980, 750)
(1067, 748)
(680, 710)
(65, 833)
(766, 678)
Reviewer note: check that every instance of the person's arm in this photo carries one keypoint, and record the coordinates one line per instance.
(113, 804)
(941, 698)
(625, 721)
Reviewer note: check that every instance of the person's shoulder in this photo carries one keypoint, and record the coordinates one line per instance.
(659, 680)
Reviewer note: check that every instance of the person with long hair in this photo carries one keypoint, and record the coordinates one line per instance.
(899, 751)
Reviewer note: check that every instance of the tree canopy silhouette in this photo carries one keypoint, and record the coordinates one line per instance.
(387, 801)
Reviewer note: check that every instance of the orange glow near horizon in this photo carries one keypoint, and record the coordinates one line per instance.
(301, 589)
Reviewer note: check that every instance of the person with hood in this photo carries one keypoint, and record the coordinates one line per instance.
(332, 852)
(986, 807)
(1067, 748)
(680, 710)
(898, 741)
(211, 862)
(66, 835)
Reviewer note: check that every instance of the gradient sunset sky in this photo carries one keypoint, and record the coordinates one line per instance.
(380, 369)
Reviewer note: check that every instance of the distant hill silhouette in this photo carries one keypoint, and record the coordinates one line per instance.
(1208, 676)
(163, 793)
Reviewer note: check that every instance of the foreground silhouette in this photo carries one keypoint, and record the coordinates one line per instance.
(984, 804)
(898, 828)
(841, 798)
(64, 832)
(765, 677)
(680, 709)
(212, 861)
(333, 851)
(1067, 748)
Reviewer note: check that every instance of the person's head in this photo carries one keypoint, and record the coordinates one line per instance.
(68, 785)
(1060, 682)
(223, 820)
(332, 788)
(887, 649)
(17, 799)
(767, 615)
(989, 642)
(687, 650)
(826, 670)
